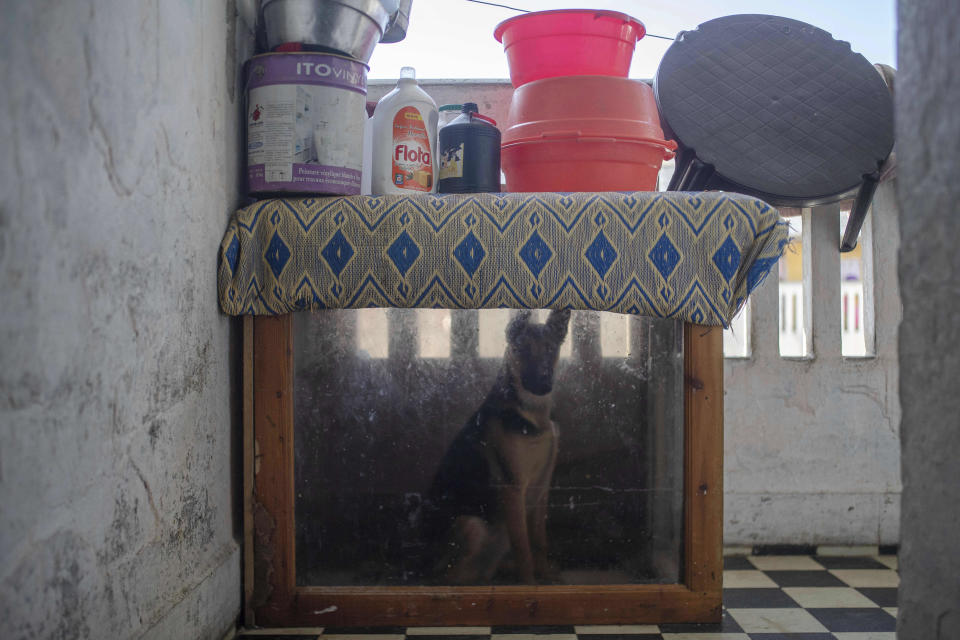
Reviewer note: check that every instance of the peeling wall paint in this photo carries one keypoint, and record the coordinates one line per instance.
(117, 436)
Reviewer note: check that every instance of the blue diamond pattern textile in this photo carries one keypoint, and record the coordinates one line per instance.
(727, 258)
(337, 252)
(535, 253)
(277, 254)
(469, 253)
(601, 254)
(403, 252)
(231, 253)
(665, 255)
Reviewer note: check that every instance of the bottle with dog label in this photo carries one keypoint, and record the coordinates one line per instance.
(405, 140)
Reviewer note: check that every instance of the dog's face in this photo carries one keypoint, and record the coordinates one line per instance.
(532, 349)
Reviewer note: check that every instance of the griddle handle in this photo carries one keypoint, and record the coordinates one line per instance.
(680, 168)
(697, 177)
(690, 174)
(859, 211)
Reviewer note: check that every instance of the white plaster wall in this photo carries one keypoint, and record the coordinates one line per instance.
(492, 96)
(812, 451)
(117, 428)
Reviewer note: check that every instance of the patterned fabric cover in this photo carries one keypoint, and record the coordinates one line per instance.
(693, 256)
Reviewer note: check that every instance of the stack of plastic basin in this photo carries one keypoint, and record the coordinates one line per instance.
(576, 123)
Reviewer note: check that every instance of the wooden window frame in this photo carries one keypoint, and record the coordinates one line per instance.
(273, 598)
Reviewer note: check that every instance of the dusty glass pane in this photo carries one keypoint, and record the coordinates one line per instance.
(414, 428)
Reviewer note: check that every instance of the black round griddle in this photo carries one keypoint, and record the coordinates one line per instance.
(775, 108)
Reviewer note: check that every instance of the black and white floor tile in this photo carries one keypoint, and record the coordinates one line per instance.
(765, 597)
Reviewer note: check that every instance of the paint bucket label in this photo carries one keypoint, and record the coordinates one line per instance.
(412, 164)
(305, 117)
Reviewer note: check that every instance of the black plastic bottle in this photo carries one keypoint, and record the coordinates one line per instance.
(469, 154)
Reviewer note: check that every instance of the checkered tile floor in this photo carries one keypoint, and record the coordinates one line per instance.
(764, 597)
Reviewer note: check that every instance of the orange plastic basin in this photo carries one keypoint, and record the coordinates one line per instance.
(583, 133)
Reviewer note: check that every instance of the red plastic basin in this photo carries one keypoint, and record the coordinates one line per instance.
(581, 164)
(593, 106)
(583, 133)
(568, 42)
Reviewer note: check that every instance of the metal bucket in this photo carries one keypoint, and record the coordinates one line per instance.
(397, 29)
(351, 27)
(305, 118)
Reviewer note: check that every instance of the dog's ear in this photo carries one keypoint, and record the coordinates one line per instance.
(517, 324)
(557, 323)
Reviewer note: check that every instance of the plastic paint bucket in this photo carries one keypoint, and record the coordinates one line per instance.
(305, 119)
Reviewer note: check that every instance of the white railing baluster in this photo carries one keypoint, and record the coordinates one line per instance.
(885, 309)
(464, 334)
(821, 281)
(765, 318)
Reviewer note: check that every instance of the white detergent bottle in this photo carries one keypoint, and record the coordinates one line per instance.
(405, 140)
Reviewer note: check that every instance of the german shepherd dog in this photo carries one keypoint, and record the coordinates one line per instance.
(489, 495)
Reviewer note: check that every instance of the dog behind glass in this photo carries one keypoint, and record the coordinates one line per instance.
(490, 493)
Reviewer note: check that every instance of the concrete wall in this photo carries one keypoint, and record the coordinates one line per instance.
(492, 96)
(811, 450)
(928, 127)
(118, 475)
